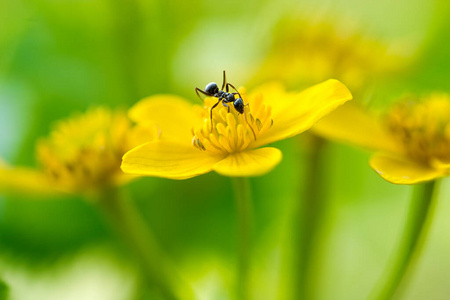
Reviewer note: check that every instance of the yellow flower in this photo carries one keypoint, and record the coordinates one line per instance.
(304, 50)
(82, 154)
(412, 140)
(189, 146)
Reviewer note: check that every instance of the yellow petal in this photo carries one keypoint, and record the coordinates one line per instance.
(25, 181)
(352, 124)
(398, 170)
(295, 113)
(440, 164)
(249, 163)
(140, 134)
(174, 116)
(168, 159)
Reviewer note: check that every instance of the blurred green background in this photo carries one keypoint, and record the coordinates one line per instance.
(57, 57)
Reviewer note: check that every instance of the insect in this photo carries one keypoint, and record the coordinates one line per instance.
(212, 90)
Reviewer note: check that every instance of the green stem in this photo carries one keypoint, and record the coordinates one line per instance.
(156, 265)
(4, 290)
(244, 210)
(308, 218)
(414, 235)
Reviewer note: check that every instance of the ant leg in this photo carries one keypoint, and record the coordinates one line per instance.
(229, 84)
(226, 105)
(210, 114)
(197, 90)
(248, 104)
(224, 80)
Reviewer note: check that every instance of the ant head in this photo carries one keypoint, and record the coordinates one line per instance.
(239, 105)
(211, 88)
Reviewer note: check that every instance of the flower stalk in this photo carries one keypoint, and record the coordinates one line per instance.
(414, 237)
(310, 211)
(157, 267)
(242, 194)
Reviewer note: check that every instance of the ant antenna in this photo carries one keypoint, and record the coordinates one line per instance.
(224, 82)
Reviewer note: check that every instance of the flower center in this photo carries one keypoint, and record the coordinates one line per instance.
(85, 151)
(423, 127)
(230, 131)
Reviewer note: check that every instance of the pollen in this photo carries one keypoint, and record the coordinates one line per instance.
(423, 127)
(230, 131)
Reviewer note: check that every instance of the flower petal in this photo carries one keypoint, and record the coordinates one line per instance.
(168, 159)
(351, 124)
(249, 163)
(440, 164)
(399, 170)
(26, 181)
(173, 115)
(295, 113)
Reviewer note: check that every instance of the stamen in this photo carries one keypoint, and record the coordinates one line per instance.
(252, 120)
(82, 152)
(214, 140)
(259, 124)
(221, 129)
(230, 131)
(224, 143)
(240, 136)
(423, 127)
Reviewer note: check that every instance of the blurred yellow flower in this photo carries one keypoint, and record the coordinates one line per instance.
(189, 146)
(412, 140)
(82, 154)
(305, 50)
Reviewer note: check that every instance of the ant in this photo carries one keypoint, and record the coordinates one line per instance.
(212, 90)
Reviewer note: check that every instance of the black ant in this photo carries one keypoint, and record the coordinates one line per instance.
(212, 90)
